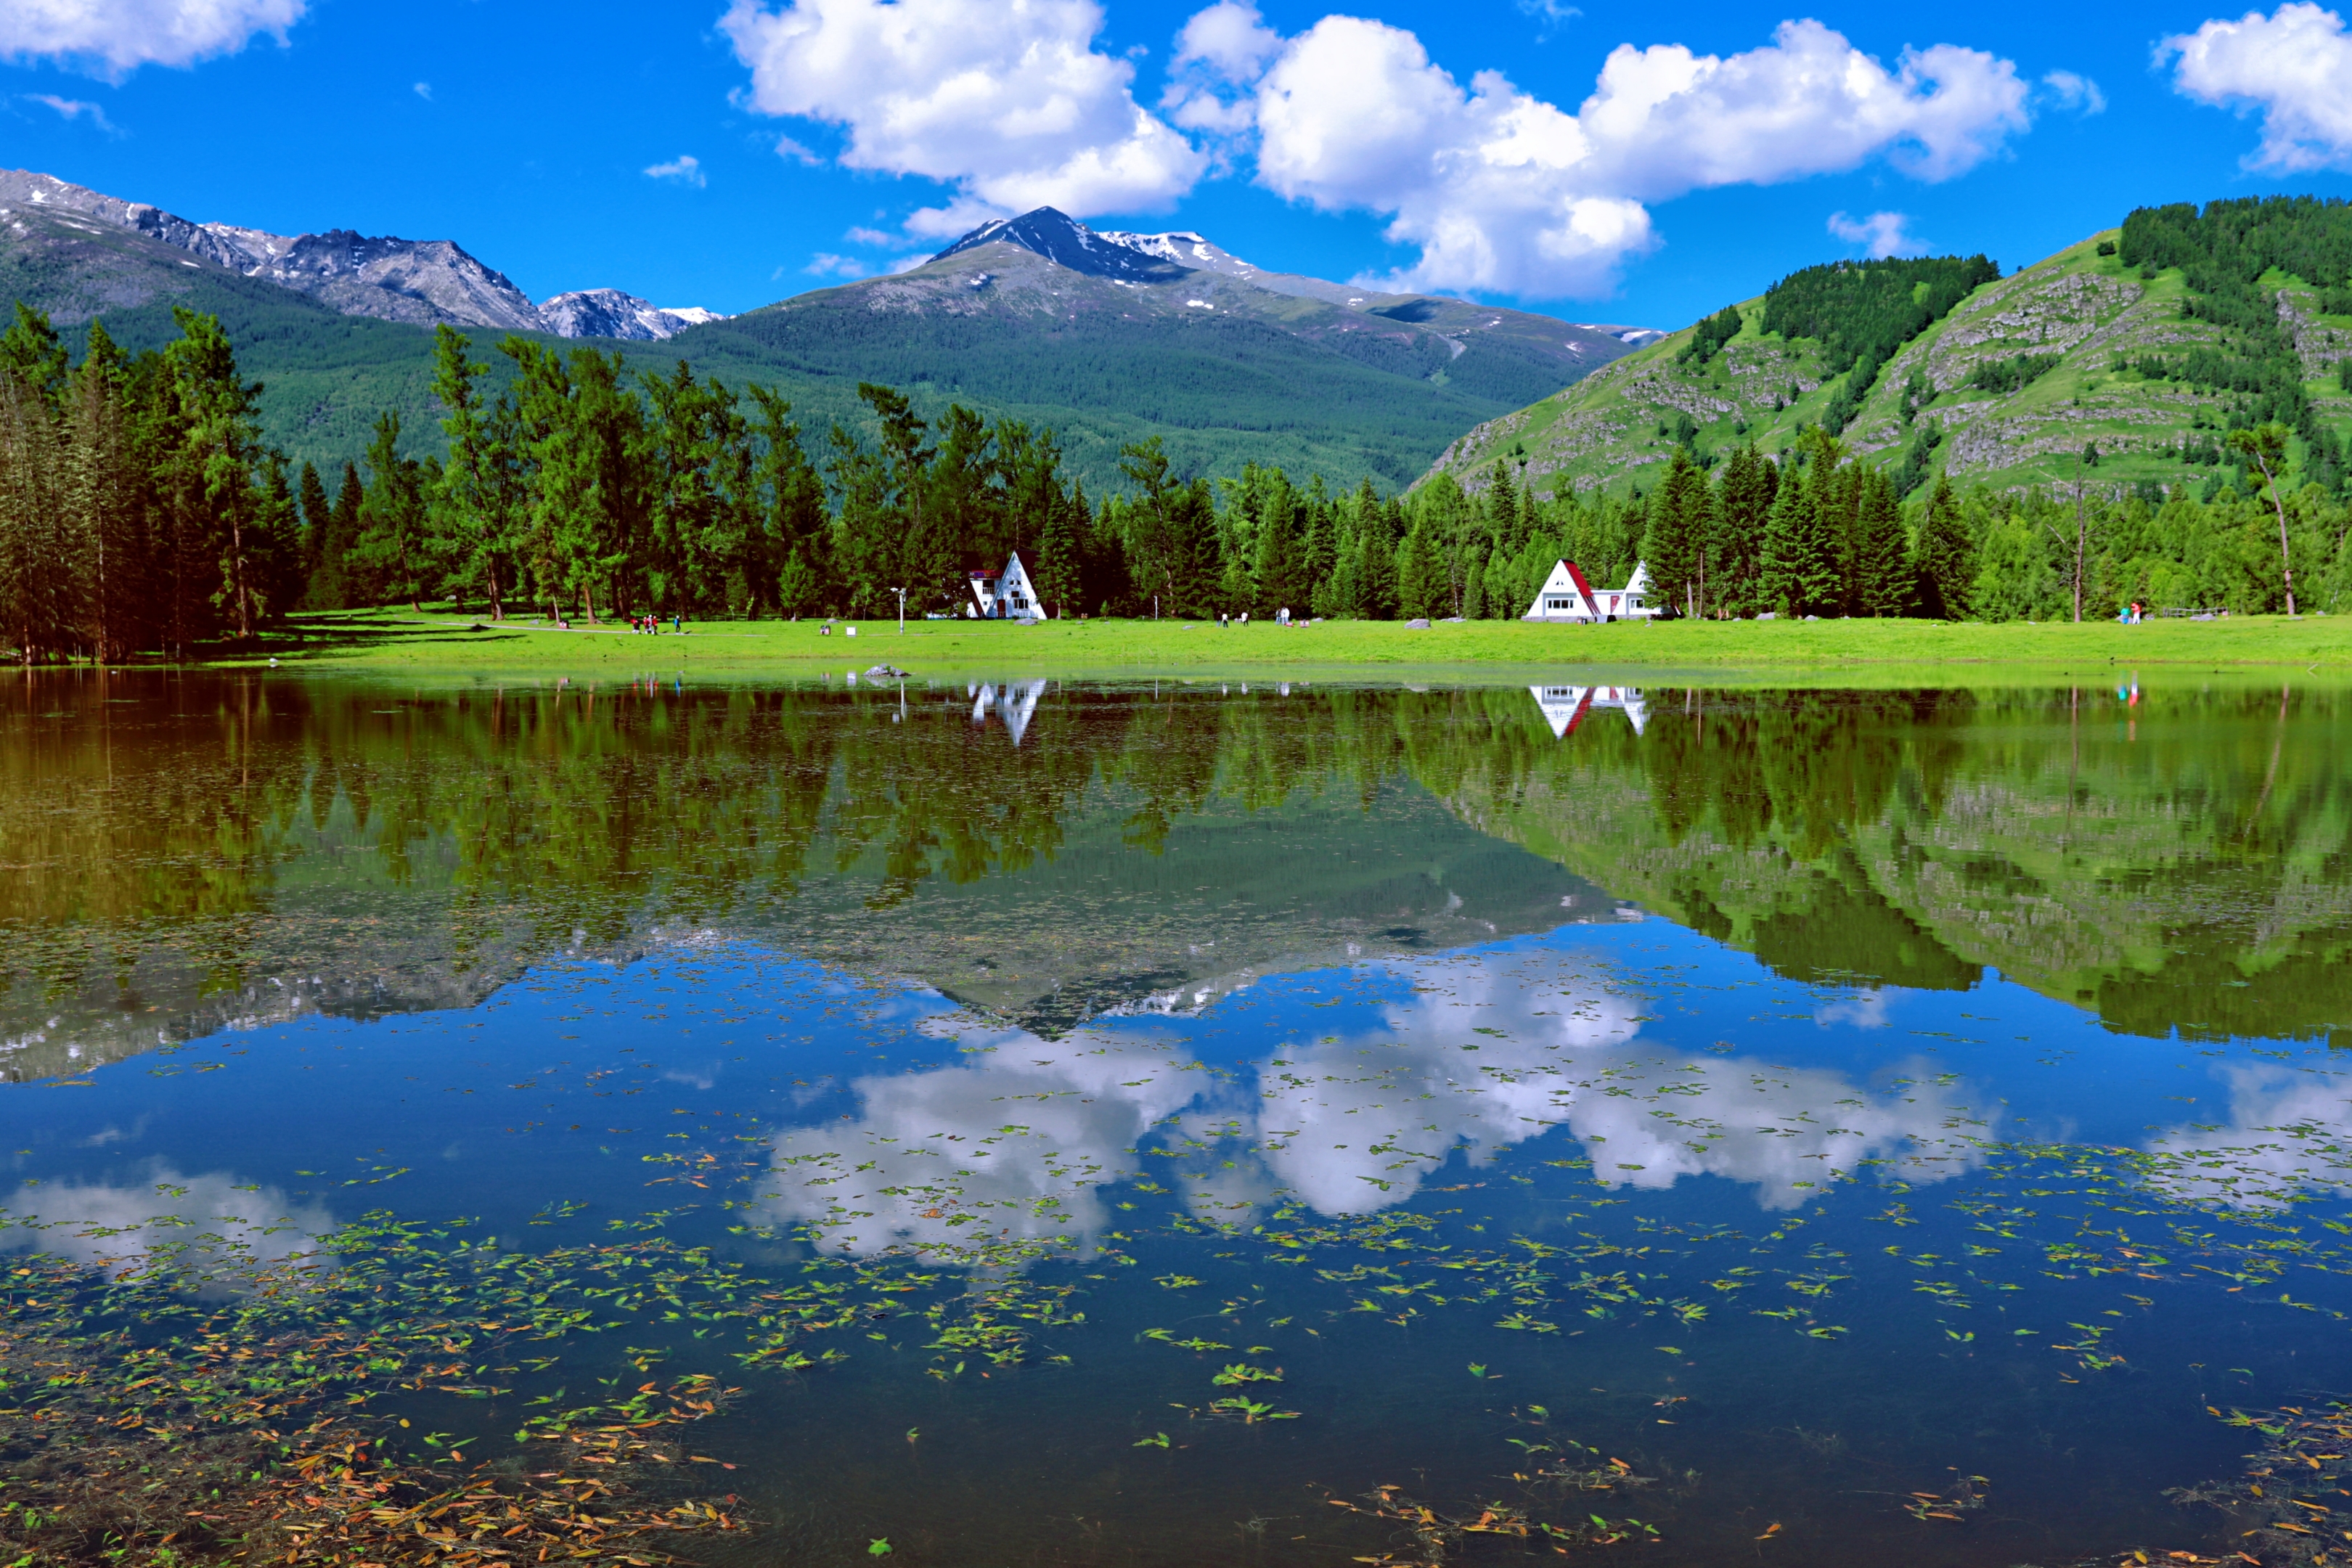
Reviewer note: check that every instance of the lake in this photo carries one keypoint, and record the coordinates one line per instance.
(1047, 1122)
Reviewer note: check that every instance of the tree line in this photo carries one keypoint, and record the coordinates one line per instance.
(140, 510)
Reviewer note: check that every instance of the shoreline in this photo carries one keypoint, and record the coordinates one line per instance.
(1622, 653)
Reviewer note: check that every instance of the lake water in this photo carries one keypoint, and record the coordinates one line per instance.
(1050, 1123)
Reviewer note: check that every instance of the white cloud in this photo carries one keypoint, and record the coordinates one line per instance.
(75, 108)
(825, 264)
(423, 89)
(788, 148)
(685, 169)
(1221, 50)
(1500, 190)
(2070, 89)
(863, 236)
(2293, 66)
(1010, 105)
(1882, 232)
(1550, 13)
(1008, 102)
(115, 38)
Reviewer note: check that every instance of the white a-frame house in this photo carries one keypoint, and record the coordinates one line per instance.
(1006, 595)
(1566, 596)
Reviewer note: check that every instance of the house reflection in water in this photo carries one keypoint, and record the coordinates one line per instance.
(1565, 707)
(1014, 703)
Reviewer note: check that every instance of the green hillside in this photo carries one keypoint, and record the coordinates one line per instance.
(2126, 342)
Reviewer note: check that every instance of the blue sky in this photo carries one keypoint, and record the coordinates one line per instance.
(1625, 162)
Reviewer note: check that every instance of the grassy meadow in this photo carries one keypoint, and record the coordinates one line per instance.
(1859, 652)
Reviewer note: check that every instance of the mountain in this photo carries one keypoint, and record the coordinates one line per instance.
(1105, 342)
(2118, 345)
(423, 282)
(1189, 249)
(1036, 318)
(609, 313)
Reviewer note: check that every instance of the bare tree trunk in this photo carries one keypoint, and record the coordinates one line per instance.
(2285, 565)
(2078, 538)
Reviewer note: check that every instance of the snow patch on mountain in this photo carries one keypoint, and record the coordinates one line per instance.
(421, 281)
(609, 313)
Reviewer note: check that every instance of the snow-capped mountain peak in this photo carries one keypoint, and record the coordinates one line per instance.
(422, 281)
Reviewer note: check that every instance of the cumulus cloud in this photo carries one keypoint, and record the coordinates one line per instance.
(115, 38)
(75, 108)
(685, 169)
(788, 148)
(1501, 190)
(1010, 106)
(1883, 233)
(2293, 67)
(423, 89)
(1219, 53)
(2071, 91)
(1009, 103)
(825, 264)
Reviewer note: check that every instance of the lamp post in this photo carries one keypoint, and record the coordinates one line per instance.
(902, 610)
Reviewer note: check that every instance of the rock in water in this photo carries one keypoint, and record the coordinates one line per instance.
(887, 672)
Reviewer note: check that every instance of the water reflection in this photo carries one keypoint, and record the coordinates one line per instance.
(189, 851)
(1469, 1055)
(204, 1220)
(2289, 1136)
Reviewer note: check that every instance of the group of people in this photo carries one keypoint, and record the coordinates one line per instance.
(2131, 614)
(651, 624)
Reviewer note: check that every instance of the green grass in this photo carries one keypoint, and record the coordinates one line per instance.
(1866, 653)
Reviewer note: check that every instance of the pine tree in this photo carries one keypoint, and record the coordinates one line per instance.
(1058, 570)
(1881, 582)
(1675, 548)
(1319, 548)
(111, 501)
(220, 442)
(39, 579)
(310, 496)
(332, 584)
(1943, 556)
(1280, 575)
(1422, 589)
(1782, 567)
(396, 550)
(1742, 513)
(31, 349)
(478, 501)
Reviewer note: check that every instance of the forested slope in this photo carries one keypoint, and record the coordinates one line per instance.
(2132, 353)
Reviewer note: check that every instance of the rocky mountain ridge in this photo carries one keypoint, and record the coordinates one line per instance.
(1114, 253)
(421, 282)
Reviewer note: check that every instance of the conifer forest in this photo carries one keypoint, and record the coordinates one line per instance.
(140, 512)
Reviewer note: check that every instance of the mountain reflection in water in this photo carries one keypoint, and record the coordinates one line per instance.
(193, 853)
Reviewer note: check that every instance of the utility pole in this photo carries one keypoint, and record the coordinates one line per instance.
(902, 610)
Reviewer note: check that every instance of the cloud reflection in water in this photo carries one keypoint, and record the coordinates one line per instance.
(123, 1225)
(1485, 1051)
